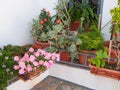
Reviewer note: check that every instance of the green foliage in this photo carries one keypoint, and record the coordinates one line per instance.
(41, 25)
(6, 67)
(118, 2)
(115, 12)
(91, 40)
(99, 58)
(6, 62)
(82, 9)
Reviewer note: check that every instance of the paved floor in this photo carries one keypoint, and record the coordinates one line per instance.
(52, 83)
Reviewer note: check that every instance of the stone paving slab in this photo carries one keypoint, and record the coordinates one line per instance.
(53, 83)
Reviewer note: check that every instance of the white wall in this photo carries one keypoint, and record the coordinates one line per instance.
(16, 17)
(106, 16)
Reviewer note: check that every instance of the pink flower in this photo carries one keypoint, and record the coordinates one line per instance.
(35, 63)
(58, 57)
(22, 65)
(53, 57)
(41, 62)
(48, 13)
(21, 71)
(51, 63)
(34, 68)
(29, 68)
(46, 64)
(32, 58)
(43, 9)
(47, 56)
(42, 52)
(16, 67)
(26, 57)
(37, 54)
(16, 58)
(31, 49)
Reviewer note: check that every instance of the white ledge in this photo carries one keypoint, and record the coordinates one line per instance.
(73, 74)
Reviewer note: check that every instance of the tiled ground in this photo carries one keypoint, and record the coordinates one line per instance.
(52, 83)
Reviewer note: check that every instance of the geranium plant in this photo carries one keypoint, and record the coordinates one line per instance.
(34, 59)
(41, 25)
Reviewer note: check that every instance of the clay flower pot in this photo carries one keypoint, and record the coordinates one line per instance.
(24, 77)
(85, 55)
(74, 25)
(41, 43)
(64, 56)
(105, 72)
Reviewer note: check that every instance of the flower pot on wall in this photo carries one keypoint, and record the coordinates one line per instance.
(42, 44)
(29, 76)
(64, 56)
(105, 72)
(85, 55)
(106, 44)
(24, 77)
(74, 25)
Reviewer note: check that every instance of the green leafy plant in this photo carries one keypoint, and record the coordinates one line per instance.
(91, 40)
(116, 18)
(82, 9)
(98, 61)
(6, 71)
(6, 62)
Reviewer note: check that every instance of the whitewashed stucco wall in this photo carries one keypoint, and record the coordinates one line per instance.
(106, 16)
(16, 17)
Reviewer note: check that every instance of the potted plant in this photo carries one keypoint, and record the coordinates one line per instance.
(114, 30)
(40, 26)
(33, 62)
(81, 13)
(100, 66)
(91, 41)
(62, 40)
(109, 68)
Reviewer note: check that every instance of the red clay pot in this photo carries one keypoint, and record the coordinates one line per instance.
(82, 57)
(42, 44)
(64, 57)
(105, 72)
(74, 25)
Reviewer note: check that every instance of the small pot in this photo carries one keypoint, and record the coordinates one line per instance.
(82, 57)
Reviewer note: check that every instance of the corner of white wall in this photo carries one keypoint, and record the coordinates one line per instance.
(106, 17)
(16, 18)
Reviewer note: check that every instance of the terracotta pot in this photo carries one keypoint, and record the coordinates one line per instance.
(24, 77)
(74, 25)
(42, 44)
(82, 57)
(34, 73)
(105, 72)
(106, 44)
(30, 75)
(64, 56)
(36, 46)
(112, 55)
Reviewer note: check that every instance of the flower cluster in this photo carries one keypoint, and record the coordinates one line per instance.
(34, 59)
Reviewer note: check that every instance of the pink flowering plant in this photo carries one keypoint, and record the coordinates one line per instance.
(34, 59)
